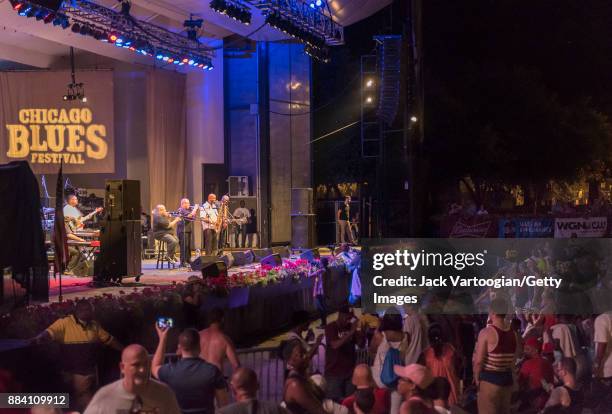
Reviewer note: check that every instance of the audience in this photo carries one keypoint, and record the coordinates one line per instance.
(215, 346)
(389, 339)
(341, 338)
(533, 371)
(442, 360)
(135, 392)
(495, 357)
(413, 385)
(362, 380)
(301, 321)
(441, 390)
(244, 387)
(299, 395)
(364, 401)
(196, 383)
(566, 394)
(79, 336)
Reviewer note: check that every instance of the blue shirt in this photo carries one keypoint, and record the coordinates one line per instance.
(194, 381)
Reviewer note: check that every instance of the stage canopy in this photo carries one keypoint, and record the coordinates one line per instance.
(33, 44)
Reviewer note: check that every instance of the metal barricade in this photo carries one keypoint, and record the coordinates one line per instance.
(270, 368)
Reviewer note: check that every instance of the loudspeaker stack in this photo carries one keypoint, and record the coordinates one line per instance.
(120, 234)
(302, 218)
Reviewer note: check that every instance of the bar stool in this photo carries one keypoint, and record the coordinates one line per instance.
(162, 256)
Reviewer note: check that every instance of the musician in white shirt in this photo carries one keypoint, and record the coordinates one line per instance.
(242, 215)
(209, 213)
(72, 212)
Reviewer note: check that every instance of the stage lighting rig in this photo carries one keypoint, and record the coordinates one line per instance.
(192, 26)
(234, 9)
(312, 26)
(123, 30)
(76, 91)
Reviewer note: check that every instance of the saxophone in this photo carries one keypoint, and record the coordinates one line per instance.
(221, 218)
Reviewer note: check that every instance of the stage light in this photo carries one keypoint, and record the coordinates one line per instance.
(160, 57)
(165, 58)
(49, 18)
(190, 62)
(369, 99)
(369, 83)
(414, 119)
(84, 99)
(31, 11)
(112, 38)
(16, 5)
(210, 67)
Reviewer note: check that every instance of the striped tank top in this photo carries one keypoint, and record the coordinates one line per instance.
(501, 359)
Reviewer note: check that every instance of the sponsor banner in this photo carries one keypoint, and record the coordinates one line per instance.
(37, 125)
(526, 228)
(469, 227)
(581, 227)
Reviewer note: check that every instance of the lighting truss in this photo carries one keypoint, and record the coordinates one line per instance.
(156, 37)
(90, 19)
(314, 21)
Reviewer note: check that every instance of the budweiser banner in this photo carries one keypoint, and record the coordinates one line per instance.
(581, 227)
(38, 126)
(469, 227)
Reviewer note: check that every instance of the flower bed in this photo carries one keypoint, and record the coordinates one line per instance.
(129, 316)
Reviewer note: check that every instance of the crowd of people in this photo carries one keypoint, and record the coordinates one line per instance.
(525, 352)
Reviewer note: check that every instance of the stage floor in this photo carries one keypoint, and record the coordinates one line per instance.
(79, 287)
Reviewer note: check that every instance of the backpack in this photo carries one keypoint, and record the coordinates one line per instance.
(387, 375)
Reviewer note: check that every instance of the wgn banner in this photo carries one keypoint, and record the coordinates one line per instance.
(38, 126)
(581, 227)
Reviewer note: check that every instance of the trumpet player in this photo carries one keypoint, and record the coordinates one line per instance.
(184, 229)
(209, 214)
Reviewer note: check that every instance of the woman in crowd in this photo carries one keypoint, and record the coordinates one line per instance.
(442, 360)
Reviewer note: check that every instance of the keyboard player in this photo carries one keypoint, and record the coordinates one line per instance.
(75, 255)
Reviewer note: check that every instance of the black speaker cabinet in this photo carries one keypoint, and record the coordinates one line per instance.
(259, 254)
(214, 269)
(282, 250)
(120, 251)
(122, 200)
(272, 260)
(243, 258)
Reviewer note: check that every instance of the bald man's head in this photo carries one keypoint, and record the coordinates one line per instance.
(244, 381)
(362, 376)
(134, 367)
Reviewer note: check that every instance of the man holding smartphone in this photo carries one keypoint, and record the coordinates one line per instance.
(196, 383)
(341, 337)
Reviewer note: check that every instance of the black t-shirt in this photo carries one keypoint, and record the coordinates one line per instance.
(339, 362)
(345, 212)
(194, 381)
(161, 225)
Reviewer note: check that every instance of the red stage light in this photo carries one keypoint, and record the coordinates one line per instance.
(16, 5)
(112, 38)
(185, 60)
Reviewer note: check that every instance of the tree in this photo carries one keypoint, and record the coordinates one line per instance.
(501, 125)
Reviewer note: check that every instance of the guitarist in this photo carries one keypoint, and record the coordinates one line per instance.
(71, 211)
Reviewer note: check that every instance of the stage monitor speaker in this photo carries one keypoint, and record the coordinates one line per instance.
(303, 231)
(272, 260)
(228, 259)
(120, 251)
(259, 254)
(243, 258)
(301, 201)
(122, 200)
(310, 255)
(199, 262)
(215, 269)
(282, 250)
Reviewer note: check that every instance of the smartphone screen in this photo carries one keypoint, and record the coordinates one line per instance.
(165, 323)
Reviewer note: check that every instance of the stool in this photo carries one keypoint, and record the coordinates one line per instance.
(162, 256)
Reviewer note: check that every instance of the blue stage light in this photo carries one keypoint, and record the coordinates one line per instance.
(165, 58)
(191, 62)
(160, 57)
